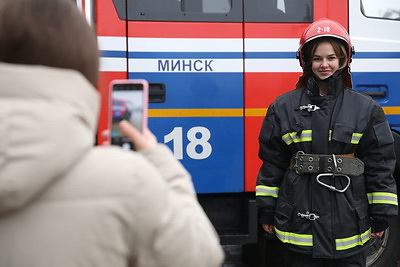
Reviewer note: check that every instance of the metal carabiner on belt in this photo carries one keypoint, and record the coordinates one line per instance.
(331, 187)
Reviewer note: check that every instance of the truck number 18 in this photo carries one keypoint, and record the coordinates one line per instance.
(198, 146)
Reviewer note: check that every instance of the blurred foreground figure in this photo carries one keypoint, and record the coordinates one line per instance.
(64, 202)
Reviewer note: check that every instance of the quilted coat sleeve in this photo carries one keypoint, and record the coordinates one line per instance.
(275, 155)
(376, 150)
(179, 232)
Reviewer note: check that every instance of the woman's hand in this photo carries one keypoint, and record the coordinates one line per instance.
(379, 234)
(141, 141)
(269, 228)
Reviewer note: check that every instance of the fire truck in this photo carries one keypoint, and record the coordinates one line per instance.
(214, 66)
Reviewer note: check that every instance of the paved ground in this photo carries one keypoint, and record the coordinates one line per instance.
(233, 256)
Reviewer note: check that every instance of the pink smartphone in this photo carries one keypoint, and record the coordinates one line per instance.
(129, 101)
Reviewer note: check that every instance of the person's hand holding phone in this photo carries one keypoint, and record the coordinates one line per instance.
(128, 102)
(141, 141)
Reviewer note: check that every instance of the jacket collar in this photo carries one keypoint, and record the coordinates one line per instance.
(335, 86)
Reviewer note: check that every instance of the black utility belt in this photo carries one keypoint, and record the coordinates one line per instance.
(333, 164)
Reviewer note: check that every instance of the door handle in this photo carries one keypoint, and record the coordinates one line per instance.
(378, 91)
(381, 94)
(157, 92)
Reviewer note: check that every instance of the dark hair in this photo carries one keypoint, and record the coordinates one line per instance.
(48, 32)
(338, 46)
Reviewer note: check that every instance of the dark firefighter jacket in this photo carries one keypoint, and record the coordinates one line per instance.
(346, 122)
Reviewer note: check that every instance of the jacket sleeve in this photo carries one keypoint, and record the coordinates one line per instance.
(376, 150)
(175, 228)
(275, 156)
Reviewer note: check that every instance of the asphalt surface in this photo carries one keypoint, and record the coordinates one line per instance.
(233, 256)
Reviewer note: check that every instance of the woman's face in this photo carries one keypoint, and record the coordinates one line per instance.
(324, 62)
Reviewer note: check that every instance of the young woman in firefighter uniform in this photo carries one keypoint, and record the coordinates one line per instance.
(325, 187)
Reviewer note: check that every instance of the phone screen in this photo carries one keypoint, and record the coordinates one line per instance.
(127, 100)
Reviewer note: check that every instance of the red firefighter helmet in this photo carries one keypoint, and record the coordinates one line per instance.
(325, 28)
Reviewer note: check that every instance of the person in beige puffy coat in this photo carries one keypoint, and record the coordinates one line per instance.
(63, 201)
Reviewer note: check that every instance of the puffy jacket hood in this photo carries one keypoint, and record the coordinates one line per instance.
(47, 123)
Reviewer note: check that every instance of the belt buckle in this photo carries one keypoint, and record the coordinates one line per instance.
(296, 158)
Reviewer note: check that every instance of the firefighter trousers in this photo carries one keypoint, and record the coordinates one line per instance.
(294, 259)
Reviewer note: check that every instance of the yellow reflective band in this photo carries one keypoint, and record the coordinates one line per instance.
(353, 241)
(267, 191)
(355, 138)
(289, 138)
(382, 198)
(293, 238)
